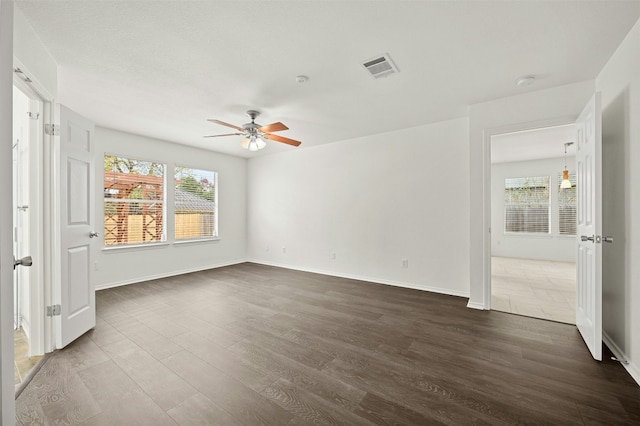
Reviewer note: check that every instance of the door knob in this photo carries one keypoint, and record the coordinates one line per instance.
(25, 261)
(585, 238)
(93, 234)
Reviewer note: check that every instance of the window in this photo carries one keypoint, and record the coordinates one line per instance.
(195, 204)
(526, 205)
(133, 201)
(567, 206)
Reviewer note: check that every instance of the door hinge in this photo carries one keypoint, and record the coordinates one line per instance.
(52, 129)
(53, 311)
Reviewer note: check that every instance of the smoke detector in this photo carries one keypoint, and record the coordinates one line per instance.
(380, 66)
(526, 80)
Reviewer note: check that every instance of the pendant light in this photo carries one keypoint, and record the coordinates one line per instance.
(566, 183)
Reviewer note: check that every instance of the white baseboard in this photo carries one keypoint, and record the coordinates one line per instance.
(474, 305)
(26, 327)
(633, 371)
(630, 366)
(414, 286)
(169, 274)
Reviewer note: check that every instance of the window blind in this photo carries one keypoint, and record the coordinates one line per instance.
(133, 201)
(195, 204)
(526, 205)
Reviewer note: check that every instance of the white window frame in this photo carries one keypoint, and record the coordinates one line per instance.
(507, 205)
(216, 232)
(163, 237)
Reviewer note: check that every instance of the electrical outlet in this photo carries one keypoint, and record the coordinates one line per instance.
(333, 256)
(405, 263)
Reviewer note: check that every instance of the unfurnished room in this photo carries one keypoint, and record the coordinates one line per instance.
(319, 212)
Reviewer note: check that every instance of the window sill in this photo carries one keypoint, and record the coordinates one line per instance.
(199, 240)
(541, 236)
(526, 235)
(133, 247)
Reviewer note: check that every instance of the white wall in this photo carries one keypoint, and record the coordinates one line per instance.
(32, 56)
(619, 82)
(559, 105)
(553, 246)
(129, 265)
(7, 392)
(372, 201)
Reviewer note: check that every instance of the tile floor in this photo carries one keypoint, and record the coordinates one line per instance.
(534, 288)
(23, 362)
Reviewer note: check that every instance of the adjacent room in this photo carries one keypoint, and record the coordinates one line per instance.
(345, 212)
(533, 222)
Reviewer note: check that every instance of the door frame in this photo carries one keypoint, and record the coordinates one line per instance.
(7, 391)
(486, 191)
(47, 194)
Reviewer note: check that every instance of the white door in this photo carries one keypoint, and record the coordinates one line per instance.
(589, 226)
(76, 295)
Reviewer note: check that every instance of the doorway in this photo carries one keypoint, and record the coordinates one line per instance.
(27, 236)
(533, 223)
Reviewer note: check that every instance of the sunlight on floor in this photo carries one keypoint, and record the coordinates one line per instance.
(535, 288)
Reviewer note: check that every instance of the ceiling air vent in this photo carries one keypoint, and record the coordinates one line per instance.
(380, 66)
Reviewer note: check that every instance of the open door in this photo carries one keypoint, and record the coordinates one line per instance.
(75, 312)
(589, 226)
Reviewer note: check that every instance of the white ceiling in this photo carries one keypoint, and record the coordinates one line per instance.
(534, 144)
(161, 68)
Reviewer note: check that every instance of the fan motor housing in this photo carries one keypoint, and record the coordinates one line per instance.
(252, 115)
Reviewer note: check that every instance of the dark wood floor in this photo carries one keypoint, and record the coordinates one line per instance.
(252, 344)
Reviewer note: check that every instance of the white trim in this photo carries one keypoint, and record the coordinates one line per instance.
(143, 246)
(170, 274)
(49, 237)
(195, 241)
(473, 305)
(7, 366)
(487, 134)
(413, 286)
(631, 368)
(34, 84)
(633, 371)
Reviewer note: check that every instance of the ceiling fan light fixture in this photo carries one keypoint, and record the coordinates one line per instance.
(261, 143)
(255, 135)
(255, 143)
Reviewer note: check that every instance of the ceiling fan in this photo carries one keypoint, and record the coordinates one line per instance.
(255, 134)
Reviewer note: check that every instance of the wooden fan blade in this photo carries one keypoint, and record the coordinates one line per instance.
(282, 139)
(226, 124)
(273, 127)
(228, 134)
